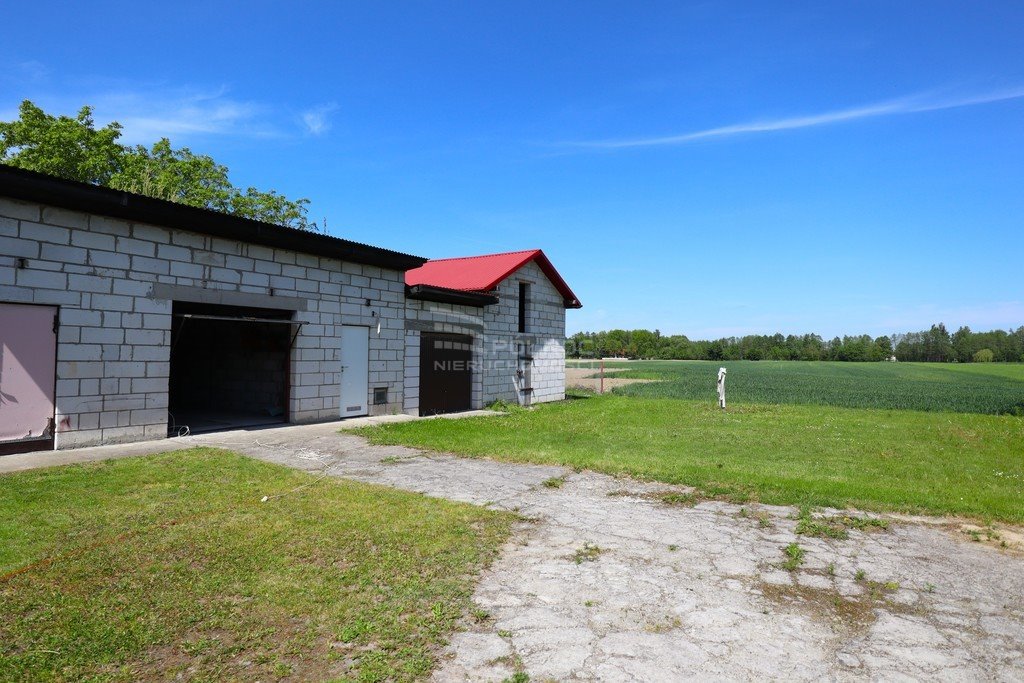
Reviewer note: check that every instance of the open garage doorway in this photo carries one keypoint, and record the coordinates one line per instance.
(229, 367)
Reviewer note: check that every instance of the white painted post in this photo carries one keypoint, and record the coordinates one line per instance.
(721, 388)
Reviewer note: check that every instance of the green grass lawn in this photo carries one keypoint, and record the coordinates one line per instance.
(994, 388)
(147, 568)
(963, 464)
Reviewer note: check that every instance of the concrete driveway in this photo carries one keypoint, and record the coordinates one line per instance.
(608, 581)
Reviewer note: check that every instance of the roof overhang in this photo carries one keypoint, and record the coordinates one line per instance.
(484, 273)
(569, 299)
(39, 188)
(450, 296)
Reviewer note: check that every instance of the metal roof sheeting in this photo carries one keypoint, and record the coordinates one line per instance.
(40, 188)
(484, 273)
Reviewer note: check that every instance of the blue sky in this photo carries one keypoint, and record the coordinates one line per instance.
(703, 168)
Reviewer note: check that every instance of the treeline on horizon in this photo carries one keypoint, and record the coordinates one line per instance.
(936, 345)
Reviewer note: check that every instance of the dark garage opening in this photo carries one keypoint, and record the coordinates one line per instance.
(446, 373)
(229, 367)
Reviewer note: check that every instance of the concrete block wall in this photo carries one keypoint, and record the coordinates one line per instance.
(113, 351)
(411, 404)
(545, 335)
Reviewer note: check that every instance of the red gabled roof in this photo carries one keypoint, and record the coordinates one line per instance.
(484, 273)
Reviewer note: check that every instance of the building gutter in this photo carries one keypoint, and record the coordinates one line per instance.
(450, 296)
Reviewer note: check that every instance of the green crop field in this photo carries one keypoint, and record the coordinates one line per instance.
(975, 388)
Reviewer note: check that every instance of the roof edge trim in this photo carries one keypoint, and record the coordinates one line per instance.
(39, 188)
(443, 295)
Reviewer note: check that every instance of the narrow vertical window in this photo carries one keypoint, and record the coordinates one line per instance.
(524, 301)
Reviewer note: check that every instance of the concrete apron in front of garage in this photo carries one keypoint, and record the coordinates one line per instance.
(607, 582)
(30, 461)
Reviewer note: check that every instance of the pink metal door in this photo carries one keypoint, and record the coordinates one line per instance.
(28, 357)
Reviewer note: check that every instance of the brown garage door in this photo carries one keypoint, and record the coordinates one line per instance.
(28, 356)
(446, 374)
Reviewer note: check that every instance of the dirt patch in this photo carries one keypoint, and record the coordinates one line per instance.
(1008, 539)
(826, 605)
(583, 378)
(282, 651)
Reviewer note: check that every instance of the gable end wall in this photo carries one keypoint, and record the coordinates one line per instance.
(496, 339)
(545, 332)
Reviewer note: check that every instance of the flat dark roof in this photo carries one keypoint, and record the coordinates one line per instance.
(40, 188)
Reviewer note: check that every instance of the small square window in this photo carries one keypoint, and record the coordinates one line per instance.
(380, 396)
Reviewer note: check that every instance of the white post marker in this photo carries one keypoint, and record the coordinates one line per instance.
(721, 388)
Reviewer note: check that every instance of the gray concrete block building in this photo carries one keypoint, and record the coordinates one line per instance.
(500, 316)
(124, 318)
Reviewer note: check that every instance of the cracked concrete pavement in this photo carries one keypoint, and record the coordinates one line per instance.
(670, 592)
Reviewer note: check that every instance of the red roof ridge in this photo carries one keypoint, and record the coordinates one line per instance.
(479, 256)
(482, 273)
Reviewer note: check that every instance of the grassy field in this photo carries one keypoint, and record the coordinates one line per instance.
(992, 388)
(776, 451)
(147, 568)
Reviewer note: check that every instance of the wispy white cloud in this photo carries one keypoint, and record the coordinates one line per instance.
(316, 120)
(26, 71)
(922, 102)
(149, 111)
(32, 70)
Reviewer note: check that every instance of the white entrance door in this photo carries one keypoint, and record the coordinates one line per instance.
(355, 370)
